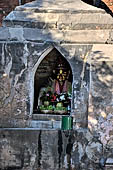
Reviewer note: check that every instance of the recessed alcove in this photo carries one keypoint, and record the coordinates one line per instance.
(53, 85)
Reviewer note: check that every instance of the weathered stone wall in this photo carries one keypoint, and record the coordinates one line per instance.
(27, 36)
(18, 66)
(94, 84)
(7, 6)
(101, 98)
(31, 150)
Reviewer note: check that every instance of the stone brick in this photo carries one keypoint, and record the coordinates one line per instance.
(30, 34)
(7, 6)
(35, 149)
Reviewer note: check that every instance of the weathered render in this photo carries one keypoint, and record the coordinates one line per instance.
(84, 36)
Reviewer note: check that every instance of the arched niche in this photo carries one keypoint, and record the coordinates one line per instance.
(53, 85)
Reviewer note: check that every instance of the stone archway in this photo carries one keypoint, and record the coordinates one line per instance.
(53, 85)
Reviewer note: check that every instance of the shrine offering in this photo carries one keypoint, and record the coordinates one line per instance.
(55, 103)
(56, 99)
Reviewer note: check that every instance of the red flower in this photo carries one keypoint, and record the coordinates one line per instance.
(53, 98)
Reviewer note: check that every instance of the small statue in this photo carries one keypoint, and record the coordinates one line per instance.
(61, 81)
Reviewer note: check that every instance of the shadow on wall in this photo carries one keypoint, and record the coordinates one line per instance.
(103, 86)
(100, 107)
(102, 72)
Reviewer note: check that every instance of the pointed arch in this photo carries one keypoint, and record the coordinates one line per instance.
(52, 55)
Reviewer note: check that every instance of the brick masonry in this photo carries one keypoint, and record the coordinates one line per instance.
(7, 6)
(109, 3)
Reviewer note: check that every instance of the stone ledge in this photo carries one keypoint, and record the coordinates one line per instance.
(58, 36)
(47, 117)
(69, 21)
(55, 125)
(60, 5)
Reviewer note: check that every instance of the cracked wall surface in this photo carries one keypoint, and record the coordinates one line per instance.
(74, 149)
(83, 36)
(17, 72)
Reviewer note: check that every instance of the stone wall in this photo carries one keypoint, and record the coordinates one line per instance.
(92, 108)
(18, 73)
(29, 34)
(7, 6)
(31, 150)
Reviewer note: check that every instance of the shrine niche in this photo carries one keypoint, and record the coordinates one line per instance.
(53, 85)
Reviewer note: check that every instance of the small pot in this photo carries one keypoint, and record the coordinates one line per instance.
(46, 103)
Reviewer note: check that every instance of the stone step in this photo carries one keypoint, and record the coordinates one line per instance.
(109, 167)
(47, 117)
(50, 124)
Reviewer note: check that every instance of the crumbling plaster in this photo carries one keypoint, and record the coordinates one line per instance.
(87, 46)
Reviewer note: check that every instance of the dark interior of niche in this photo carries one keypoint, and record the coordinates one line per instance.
(53, 85)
